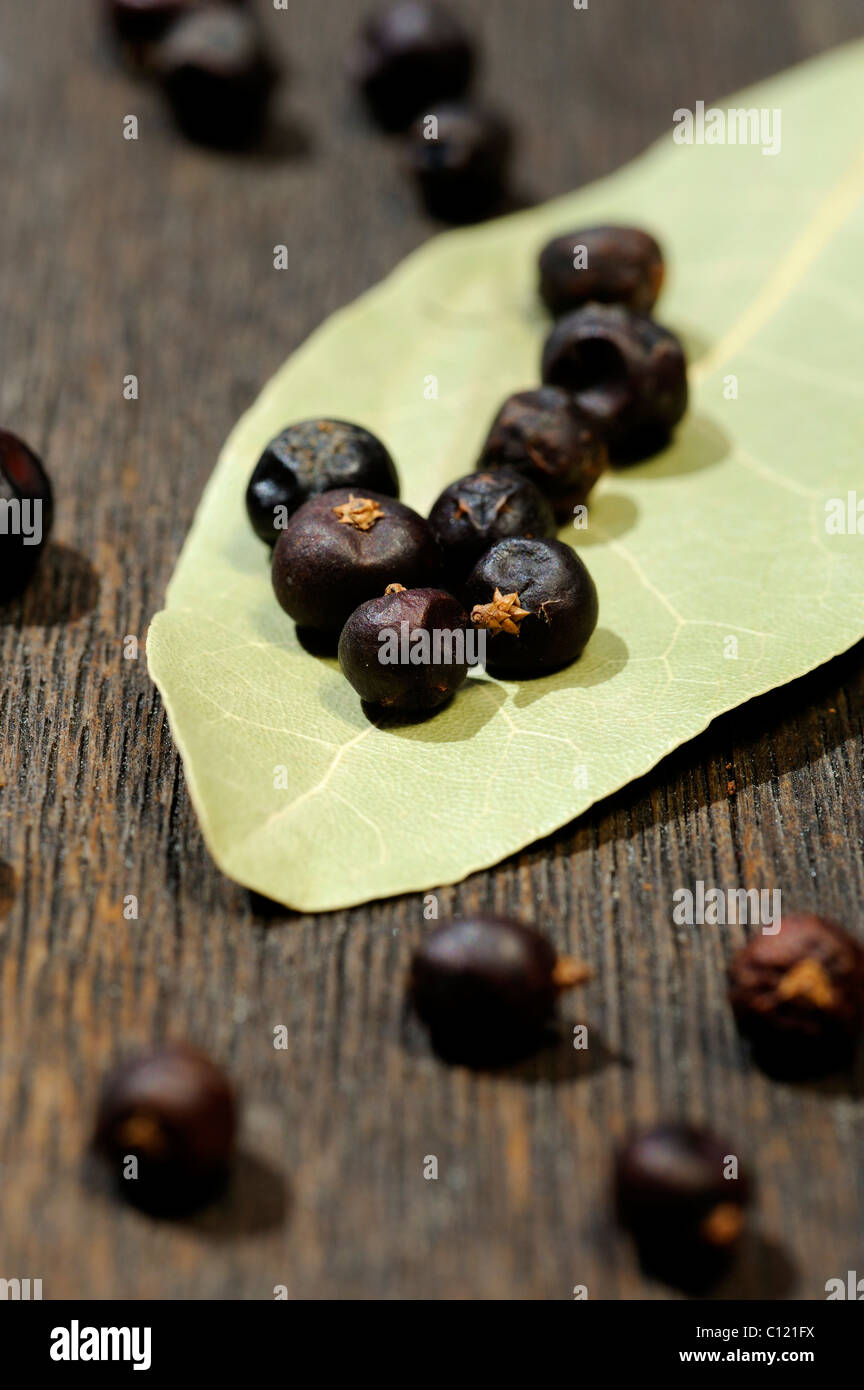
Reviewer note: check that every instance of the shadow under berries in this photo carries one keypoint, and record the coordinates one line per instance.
(473, 705)
(256, 1199)
(253, 1198)
(698, 443)
(284, 139)
(799, 1069)
(322, 645)
(559, 1061)
(695, 345)
(761, 1270)
(554, 1058)
(610, 515)
(64, 588)
(604, 657)
(510, 201)
(758, 1270)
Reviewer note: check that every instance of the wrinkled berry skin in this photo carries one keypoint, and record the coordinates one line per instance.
(405, 685)
(671, 1193)
(625, 372)
(175, 1111)
(217, 76)
(624, 266)
(408, 56)
(798, 996)
(23, 481)
(312, 457)
(544, 435)
(323, 568)
(482, 508)
(461, 174)
(556, 591)
(485, 989)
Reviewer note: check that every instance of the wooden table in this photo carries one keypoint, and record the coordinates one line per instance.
(155, 258)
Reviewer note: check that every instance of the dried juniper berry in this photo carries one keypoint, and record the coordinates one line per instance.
(26, 513)
(217, 76)
(606, 265)
(459, 157)
(311, 457)
(487, 987)
(408, 56)
(683, 1194)
(798, 995)
(407, 650)
(342, 548)
(174, 1112)
(545, 436)
(482, 508)
(537, 604)
(625, 372)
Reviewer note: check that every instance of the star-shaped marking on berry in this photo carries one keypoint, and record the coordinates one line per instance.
(359, 512)
(503, 614)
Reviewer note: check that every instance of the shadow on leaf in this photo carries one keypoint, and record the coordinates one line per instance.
(473, 705)
(603, 658)
(695, 345)
(698, 443)
(610, 515)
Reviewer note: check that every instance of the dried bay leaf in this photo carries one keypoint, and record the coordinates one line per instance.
(721, 537)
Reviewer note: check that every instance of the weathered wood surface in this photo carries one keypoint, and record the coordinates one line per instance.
(155, 258)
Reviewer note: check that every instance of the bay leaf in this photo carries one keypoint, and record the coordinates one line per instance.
(718, 579)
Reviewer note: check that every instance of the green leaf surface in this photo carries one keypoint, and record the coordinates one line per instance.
(722, 536)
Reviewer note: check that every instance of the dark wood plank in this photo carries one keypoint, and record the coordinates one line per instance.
(155, 258)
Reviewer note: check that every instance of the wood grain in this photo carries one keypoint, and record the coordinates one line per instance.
(154, 258)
